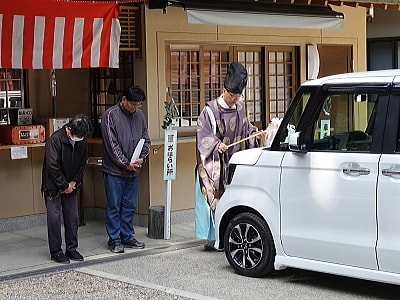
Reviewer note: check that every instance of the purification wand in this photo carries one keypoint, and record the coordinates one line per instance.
(249, 137)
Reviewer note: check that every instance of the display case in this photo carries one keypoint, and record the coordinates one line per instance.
(11, 94)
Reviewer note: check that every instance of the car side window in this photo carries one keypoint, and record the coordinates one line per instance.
(345, 123)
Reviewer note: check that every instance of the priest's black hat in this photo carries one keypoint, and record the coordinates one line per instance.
(236, 78)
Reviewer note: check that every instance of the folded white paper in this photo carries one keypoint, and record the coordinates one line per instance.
(138, 150)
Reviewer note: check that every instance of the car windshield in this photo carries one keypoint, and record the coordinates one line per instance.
(291, 121)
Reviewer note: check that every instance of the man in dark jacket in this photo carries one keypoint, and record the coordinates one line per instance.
(63, 168)
(123, 126)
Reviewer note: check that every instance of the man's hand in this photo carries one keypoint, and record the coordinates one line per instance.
(71, 187)
(136, 165)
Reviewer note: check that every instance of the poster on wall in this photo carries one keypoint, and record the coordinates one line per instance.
(19, 152)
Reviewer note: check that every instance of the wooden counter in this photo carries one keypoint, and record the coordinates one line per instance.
(5, 147)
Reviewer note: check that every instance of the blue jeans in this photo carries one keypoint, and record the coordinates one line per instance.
(121, 193)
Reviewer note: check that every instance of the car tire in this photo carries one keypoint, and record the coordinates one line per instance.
(249, 246)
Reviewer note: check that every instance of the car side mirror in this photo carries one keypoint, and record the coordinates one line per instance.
(297, 142)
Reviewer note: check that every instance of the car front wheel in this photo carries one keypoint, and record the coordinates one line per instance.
(249, 246)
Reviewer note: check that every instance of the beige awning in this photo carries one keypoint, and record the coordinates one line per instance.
(293, 19)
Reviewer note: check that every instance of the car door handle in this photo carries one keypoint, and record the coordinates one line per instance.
(390, 172)
(356, 171)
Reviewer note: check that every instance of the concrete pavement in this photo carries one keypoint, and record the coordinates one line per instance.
(175, 269)
(25, 252)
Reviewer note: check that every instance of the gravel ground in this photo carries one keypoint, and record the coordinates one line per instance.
(77, 285)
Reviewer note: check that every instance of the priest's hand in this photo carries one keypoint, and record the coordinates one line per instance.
(222, 148)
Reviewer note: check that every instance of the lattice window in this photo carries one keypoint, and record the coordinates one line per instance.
(251, 58)
(130, 20)
(281, 79)
(185, 85)
(195, 75)
(107, 86)
(215, 65)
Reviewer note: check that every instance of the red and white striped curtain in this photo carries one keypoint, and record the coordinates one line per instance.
(58, 34)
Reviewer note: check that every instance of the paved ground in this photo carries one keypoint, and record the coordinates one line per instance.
(178, 268)
(26, 271)
(78, 285)
(187, 272)
(27, 251)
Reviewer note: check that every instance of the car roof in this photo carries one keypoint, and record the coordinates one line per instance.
(380, 76)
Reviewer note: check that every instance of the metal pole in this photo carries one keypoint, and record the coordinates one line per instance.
(167, 211)
(53, 91)
(170, 144)
(53, 103)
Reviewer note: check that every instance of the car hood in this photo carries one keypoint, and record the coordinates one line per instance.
(247, 157)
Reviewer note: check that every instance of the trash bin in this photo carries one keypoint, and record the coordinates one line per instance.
(155, 226)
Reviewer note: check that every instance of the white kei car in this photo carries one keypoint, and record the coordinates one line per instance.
(326, 195)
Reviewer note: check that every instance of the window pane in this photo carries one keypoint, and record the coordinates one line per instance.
(272, 107)
(345, 122)
(272, 69)
(249, 56)
(380, 56)
(280, 69)
(272, 94)
(272, 57)
(257, 95)
(250, 69)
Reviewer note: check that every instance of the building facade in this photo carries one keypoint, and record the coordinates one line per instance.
(185, 62)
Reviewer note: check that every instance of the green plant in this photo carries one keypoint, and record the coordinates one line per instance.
(171, 113)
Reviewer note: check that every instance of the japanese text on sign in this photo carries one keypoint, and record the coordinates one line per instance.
(170, 145)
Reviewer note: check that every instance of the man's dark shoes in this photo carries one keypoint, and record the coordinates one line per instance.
(60, 258)
(116, 248)
(134, 244)
(74, 255)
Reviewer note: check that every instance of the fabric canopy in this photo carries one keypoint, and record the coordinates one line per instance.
(55, 34)
(239, 13)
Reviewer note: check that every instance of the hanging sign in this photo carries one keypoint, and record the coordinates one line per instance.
(170, 145)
